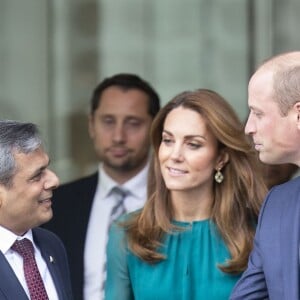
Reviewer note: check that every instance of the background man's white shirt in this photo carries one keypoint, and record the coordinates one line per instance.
(97, 232)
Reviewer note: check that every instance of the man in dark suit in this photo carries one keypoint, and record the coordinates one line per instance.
(122, 109)
(26, 186)
(274, 124)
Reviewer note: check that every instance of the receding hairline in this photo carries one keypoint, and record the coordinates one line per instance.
(282, 75)
(280, 62)
(285, 60)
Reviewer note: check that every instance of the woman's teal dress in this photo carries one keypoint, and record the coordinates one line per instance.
(189, 272)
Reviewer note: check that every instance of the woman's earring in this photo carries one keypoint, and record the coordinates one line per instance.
(219, 177)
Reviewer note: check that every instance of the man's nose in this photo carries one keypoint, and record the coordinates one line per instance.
(250, 126)
(119, 133)
(52, 180)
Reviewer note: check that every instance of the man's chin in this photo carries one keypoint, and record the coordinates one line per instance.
(121, 165)
(47, 217)
(266, 159)
(121, 168)
(124, 164)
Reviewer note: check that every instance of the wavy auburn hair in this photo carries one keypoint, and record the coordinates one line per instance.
(237, 199)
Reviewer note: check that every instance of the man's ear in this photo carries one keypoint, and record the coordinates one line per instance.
(91, 126)
(296, 109)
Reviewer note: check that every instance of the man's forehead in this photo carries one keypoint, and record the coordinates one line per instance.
(129, 110)
(261, 76)
(37, 154)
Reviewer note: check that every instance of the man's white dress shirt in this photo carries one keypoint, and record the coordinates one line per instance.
(7, 238)
(97, 232)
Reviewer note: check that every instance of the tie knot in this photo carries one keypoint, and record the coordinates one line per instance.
(119, 207)
(121, 192)
(24, 247)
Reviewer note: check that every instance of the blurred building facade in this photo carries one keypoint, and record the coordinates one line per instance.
(53, 53)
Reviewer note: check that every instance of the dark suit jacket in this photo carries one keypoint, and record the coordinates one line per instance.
(72, 204)
(49, 245)
(273, 269)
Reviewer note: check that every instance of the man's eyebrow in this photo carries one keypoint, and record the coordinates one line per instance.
(40, 169)
(106, 115)
(133, 117)
(37, 172)
(251, 107)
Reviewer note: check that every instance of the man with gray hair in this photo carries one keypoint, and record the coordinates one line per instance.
(274, 124)
(33, 262)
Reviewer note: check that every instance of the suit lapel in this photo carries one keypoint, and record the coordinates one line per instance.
(54, 271)
(290, 225)
(10, 286)
(87, 193)
(53, 267)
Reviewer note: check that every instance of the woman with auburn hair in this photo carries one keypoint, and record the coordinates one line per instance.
(193, 237)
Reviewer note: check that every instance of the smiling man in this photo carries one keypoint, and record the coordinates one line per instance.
(122, 110)
(26, 186)
(274, 125)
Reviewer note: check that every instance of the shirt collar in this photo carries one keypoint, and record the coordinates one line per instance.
(135, 186)
(105, 182)
(7, 238)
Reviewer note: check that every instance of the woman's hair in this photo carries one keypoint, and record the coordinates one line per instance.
(237, 199)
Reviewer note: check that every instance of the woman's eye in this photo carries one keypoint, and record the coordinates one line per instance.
(166, 141)
(194, 145)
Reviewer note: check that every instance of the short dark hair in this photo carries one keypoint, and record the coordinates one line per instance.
(127, 81)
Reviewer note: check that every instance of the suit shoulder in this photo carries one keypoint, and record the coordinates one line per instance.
(79, 184)
(291, 187)
(45, 236)
(284, 194)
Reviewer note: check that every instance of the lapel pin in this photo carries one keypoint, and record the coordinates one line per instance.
(51, 259)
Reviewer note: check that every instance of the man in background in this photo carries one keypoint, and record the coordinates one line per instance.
(33, 261)
(122, 110)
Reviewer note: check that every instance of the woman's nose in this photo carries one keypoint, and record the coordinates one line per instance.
(177, 153)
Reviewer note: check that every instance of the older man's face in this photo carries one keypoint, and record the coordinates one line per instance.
(27, 202)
